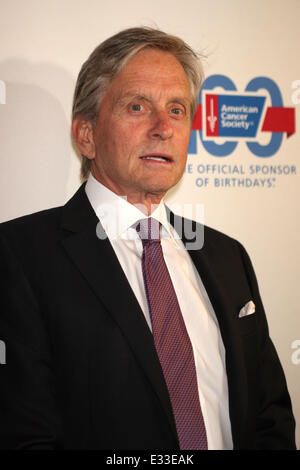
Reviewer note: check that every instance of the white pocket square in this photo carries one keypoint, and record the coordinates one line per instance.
(248, 309)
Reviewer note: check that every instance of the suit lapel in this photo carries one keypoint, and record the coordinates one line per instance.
(211, 270)
(97, 262)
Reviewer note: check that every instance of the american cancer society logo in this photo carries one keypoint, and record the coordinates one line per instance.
(225, 117)
(232, 116)
(241, 115)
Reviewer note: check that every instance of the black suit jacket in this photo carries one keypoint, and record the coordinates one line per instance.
(81, 368)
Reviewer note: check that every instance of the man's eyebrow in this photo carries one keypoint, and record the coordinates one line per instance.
(124, 97)
(140, 96)
(180, 100)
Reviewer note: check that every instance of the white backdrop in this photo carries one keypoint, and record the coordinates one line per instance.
(42, 46)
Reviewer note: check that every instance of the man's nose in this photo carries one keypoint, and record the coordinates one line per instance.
(161, 126)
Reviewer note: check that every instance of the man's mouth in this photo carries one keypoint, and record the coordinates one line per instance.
(158, 158)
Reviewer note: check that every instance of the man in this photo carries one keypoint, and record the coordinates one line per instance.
(118, 337)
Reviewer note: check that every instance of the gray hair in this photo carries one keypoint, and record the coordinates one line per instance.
(107, 60)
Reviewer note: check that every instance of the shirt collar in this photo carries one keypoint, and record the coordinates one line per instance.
(118, 216)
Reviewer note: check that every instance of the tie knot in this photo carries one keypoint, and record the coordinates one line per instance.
(148, 230)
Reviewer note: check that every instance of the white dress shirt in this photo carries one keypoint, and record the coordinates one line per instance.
(117, 217)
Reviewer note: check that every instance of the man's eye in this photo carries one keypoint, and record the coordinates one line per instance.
(136, 107)
(177, 111)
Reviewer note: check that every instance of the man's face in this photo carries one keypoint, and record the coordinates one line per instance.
(142, 132)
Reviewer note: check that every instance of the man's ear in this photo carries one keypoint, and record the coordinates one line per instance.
(83, 133)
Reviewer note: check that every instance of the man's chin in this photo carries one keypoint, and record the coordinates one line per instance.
(160, 187)
(158, 192)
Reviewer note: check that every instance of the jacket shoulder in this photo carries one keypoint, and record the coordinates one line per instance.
(218, 235)
(212, 236)
(36, 221)
(33, 230)
(220, 244)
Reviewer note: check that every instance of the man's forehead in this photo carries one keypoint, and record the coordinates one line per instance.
(154, 59)
(148, 71)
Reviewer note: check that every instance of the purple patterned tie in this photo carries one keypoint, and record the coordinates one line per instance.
(171, 340)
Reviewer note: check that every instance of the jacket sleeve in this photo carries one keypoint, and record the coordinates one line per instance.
(275, 426)
(28, 414)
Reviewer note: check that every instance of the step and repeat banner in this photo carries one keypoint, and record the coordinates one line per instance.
(242, 173)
